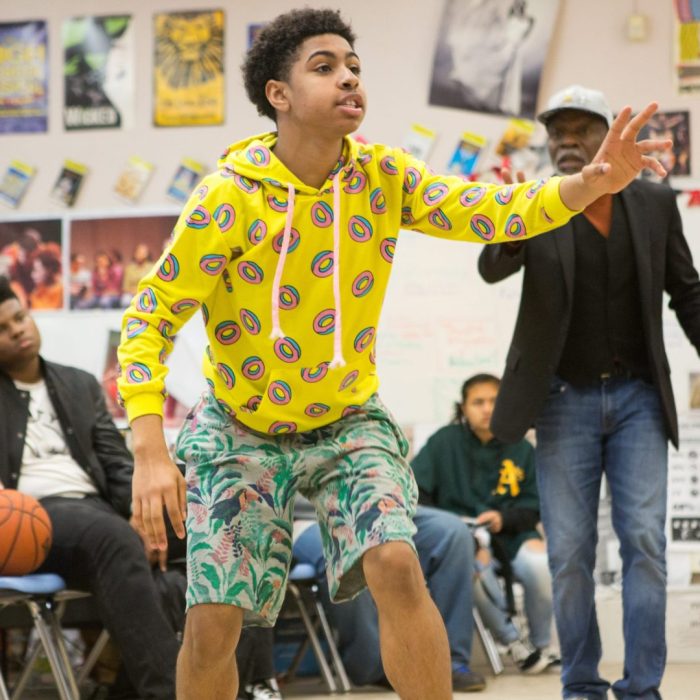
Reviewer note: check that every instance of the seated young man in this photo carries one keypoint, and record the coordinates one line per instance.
(59, 444)
(464, 469)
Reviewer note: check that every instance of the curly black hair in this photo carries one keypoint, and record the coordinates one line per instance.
(275, 49)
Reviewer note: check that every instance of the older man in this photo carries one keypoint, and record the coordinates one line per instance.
(587, 367)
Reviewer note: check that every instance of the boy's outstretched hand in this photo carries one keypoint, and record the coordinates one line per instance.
(618, 161)
(621, 157)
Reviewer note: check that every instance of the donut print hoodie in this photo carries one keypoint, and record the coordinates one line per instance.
(290, 279)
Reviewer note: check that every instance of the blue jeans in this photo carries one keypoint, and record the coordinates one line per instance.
(615, 427)
(446, 552)
(530, 568)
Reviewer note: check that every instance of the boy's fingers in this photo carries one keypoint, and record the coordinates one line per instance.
(638, 121)
(174, 510)
(156, 522)
(651, 145)
(654, 165)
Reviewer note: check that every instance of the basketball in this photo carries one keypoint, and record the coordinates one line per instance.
(25, 533)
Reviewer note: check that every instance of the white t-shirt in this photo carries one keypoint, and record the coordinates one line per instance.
(47, 466)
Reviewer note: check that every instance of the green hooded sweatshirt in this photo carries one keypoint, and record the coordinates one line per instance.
(455, 471)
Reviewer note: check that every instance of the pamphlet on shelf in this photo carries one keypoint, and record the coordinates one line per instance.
(186, 177)
(133, 179)
(69, 182)
(15, 182)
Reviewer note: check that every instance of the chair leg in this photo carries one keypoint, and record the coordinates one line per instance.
(335, 655)
(291, 672)
(92, 657)
(313, 637)
(4, 695)
(22, 680)
(488, 643)
(51, 639)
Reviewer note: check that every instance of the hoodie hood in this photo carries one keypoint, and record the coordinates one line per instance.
(254, 159)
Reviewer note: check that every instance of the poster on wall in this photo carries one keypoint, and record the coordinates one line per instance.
(174, 412)
(188, 69)
(684, 477)
(110, 256)
(489, 55)
(30, 256)
(253, 30)
(15, 182)
(187, 175)
(98, 72)
(68, 183)
(466, 154)
(419, 141)
(674, 126)
(687, 47)
(24, 77)
(132, 180)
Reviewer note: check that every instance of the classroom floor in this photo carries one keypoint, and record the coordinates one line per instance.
(681, 682)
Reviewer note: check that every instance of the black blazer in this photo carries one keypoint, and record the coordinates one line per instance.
(92, 438)
(663, 262)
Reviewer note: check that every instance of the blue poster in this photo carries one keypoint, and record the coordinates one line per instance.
(23, 77)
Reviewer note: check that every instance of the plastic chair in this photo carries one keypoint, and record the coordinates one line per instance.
(39, 592)
(302, 587)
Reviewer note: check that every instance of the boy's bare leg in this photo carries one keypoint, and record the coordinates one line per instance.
(206, 666)
(412, 636)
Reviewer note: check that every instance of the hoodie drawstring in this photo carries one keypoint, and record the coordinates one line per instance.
(276, 329)
(277, 332)
(338, 359)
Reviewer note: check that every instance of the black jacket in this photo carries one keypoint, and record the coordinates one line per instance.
(663, 263)
(92, 438)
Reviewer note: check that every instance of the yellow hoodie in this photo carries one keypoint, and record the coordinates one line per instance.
(290, 279)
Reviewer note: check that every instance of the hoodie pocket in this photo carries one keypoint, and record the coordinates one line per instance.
(297, 400)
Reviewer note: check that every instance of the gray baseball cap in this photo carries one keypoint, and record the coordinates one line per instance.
(579, 98)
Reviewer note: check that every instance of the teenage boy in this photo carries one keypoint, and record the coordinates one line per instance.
(286, 251)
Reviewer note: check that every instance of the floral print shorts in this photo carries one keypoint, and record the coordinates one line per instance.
(240, 497)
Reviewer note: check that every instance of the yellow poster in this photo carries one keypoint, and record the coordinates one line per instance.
(188, 78)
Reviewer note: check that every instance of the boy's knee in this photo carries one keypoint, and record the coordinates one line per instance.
(392, 569)
(211, 634)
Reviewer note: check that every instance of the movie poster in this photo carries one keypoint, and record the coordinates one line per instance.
(24, 77)
(15, 182)
(31, 255)
(98, 72)
(687, 47)
(490, 53)
(110, 256)
(189, 69)
(68, 183)
(674, 126)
